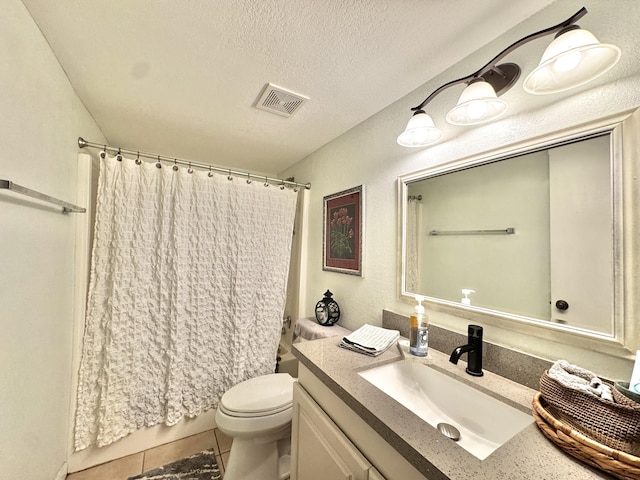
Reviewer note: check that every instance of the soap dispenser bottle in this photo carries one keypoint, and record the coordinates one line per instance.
(465, 299)
(419, 336)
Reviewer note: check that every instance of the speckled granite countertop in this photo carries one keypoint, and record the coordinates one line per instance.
(528, 455)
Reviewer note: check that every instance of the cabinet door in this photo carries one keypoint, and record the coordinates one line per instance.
(375, 474)
(319, 449)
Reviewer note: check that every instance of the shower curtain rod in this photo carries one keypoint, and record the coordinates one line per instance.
(82, 143)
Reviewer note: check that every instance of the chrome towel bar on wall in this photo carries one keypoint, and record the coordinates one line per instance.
(66, 207)
(505, 231)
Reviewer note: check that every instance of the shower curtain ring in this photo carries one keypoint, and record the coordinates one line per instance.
(138, 161)
(229, 177)
(158, 165)
(119, 155)
(248, 179)
(103, 153)
(210, 172)
(175, 164)
(282, 185)
(190, 170)
(266, 183)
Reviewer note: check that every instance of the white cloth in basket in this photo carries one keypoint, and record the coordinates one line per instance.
(578, 378)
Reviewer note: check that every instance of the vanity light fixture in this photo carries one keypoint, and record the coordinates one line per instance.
(478, 103)
(573, 47)
(420, 131)
(572, 59)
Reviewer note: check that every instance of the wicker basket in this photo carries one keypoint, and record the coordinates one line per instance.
(615, 462)
(613, 424)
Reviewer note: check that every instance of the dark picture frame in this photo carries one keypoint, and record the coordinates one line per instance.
(343, 231)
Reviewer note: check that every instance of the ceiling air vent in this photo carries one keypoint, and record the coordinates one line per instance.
(279, 100)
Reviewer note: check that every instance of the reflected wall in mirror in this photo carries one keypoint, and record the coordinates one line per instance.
(529, 235)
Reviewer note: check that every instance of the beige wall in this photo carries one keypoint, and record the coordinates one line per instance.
(368, 155)
(507, 272)
(41, 118)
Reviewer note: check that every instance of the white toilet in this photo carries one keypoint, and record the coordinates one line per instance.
(257, 414)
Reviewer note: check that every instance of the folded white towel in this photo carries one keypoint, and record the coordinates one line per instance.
(370, 340)
(578, 378)
(309, 329)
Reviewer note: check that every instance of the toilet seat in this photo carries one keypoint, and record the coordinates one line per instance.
(236, 426)
(259, 397)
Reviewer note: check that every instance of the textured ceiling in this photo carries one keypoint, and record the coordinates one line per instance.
(181, 78)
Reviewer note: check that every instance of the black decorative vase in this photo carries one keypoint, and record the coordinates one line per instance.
(327, 310)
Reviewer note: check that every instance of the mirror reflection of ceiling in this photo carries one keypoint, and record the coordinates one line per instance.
(530, 235)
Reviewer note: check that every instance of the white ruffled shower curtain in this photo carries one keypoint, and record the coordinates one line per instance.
(186, 296)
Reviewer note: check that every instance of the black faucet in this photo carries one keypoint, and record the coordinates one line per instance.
(474, 350)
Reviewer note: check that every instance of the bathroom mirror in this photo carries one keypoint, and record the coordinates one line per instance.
(530, 234)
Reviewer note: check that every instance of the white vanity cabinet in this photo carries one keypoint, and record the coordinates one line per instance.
(374, 474)
(319, 449)
(330, 441)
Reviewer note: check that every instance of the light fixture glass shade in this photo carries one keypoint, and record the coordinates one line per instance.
(477, 104)
(573, 58)
(420, 131)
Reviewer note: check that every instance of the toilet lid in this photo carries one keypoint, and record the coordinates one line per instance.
(259, 396)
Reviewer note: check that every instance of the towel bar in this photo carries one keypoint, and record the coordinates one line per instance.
(66, 207)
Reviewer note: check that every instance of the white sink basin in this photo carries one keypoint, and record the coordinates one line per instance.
(484, 423)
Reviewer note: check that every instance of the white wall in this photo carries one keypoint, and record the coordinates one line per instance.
(368, 154)
(40, 120)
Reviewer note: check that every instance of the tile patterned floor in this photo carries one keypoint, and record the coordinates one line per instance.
(123, 468)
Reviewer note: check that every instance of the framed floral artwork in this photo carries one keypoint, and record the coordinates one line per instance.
(343, 231)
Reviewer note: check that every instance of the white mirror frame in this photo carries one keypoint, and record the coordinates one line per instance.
(625, 162)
